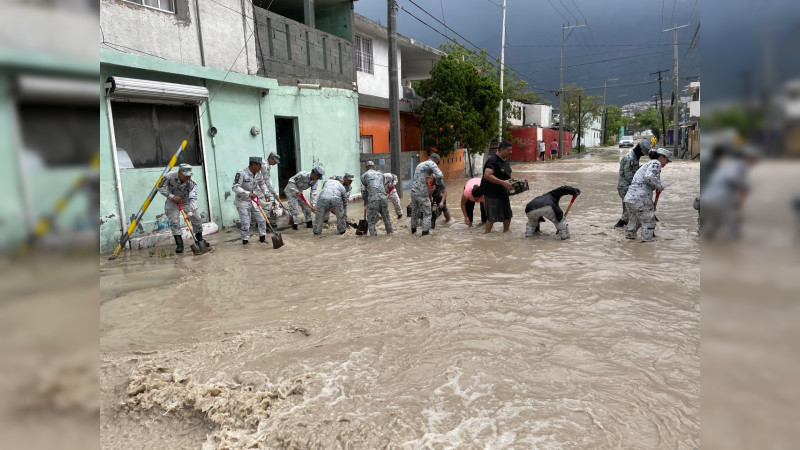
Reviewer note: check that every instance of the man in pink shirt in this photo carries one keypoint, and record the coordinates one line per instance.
(472, 194)
(554, 148)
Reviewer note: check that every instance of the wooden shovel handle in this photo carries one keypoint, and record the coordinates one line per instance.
(570, 205)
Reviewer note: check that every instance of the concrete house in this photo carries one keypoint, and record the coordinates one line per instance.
(234, 79)
(414, 61)
(48, 122)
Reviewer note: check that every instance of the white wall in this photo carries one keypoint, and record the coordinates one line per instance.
(539, 115)
(591, 135)
(174, 36)
(377, 83)
(516, 107)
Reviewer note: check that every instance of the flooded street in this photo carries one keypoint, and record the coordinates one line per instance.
(458, 339)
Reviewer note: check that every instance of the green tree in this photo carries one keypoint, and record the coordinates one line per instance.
(461, 105)
(614, 120)
(590, 107)
(513, 87)
(651, 118)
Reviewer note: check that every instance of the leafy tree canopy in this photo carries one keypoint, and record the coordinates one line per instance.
(462, 99)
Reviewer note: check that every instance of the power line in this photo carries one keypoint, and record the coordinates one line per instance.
(595, 45)
(442, 23)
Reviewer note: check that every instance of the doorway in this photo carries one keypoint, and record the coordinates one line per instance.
(286, 145)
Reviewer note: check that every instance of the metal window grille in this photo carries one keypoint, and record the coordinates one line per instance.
(162, 5)
(363, 54)
(365, 144)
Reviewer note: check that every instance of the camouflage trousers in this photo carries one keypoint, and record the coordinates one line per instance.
(176, 220)
(395, 199)
(324, 205)
(562, 227)
(246, 209)
(642, 216)
(375, 207)
(295, 203)
(625, 215)
(421, 205)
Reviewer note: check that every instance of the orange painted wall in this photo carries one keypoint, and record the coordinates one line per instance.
(375, 122)
(452, 166)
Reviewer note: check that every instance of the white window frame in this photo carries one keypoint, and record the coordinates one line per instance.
(160, 2)
(364, 138)
(364, 55)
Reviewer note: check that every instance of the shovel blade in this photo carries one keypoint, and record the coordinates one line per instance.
(277, 241)
(196, 249)
(362, 228)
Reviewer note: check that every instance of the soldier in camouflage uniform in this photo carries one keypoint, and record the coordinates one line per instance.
(390, 183)
(333, 197)
(272, 160)
(347, 182)
(246, 184)
(373, 193)
(628, 166)
(639, 199)
(421, 193)
(296, 185)
(179, 189)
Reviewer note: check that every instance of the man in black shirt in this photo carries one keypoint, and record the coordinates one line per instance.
(546, 207)
(495, 185)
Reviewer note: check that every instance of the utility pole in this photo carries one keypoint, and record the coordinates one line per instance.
(560, 93)
(661, 96)
(579, 124)
(394, 100)
(676, 119)
(502, 70)
(605, 85)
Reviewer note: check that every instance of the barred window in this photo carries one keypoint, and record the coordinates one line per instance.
(363, 54)
(163, 5)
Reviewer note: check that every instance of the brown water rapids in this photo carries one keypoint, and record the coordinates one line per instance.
(457, 339)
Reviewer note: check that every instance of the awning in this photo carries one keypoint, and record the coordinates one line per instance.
(131, 88)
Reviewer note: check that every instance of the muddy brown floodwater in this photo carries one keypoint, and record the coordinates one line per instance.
(453, 340)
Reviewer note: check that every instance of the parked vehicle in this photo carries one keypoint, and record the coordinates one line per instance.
(626, 141)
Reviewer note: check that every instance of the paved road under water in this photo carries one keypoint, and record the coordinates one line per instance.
(458, 339)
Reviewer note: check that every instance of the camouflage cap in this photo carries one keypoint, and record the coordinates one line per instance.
(256, 160)
(349, 176)
(185, 169)
(275, 156)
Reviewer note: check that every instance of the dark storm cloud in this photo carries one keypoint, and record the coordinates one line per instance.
(623, 39)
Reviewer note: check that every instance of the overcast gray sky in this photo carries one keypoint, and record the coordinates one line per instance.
(624, 39)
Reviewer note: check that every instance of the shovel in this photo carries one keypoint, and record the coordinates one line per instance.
(303, 198)
(277, 240)
(655, 205)
(361, 229)
(570, 205)
(197, 249)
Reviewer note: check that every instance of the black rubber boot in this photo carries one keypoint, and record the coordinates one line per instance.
(399, 216)
(178, 244)
(425, 233)
(262, 239)
(245, 241)
(620, 223)
(199, 238)
(309, 224)
(294, 226)
(413, 230)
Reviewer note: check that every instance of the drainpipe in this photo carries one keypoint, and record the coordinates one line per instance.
(200, 32)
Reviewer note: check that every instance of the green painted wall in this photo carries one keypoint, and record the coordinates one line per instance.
(327, 134)
(336, 20)
(46, 185)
